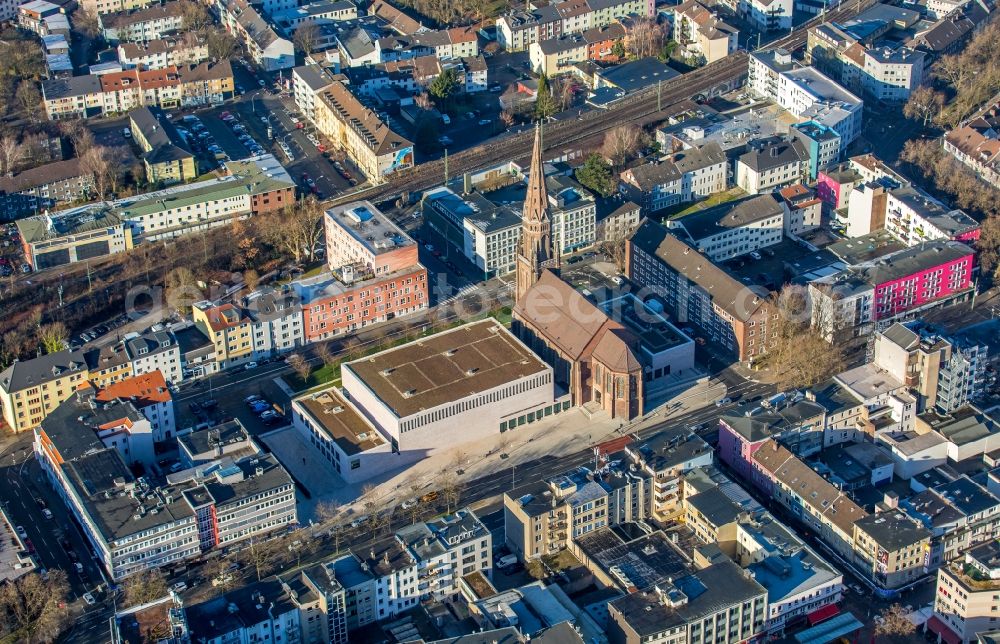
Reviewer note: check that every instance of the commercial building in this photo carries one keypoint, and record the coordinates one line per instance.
(892, 547)
(680, 177)
(806, 93)
(886, 73)
(421, 562)
(702, 34)
(730, 314)
(478, 377)
(944, 373)
(772, 164)
(133, 525)
(166, 157)
(965, 600)
(369, 141)
(543, 518)
(733, 229)
(799, 425)
(810, 498)
(821, 143)
(801, 586)
(666, 457)
(720, 601)
(891, 288)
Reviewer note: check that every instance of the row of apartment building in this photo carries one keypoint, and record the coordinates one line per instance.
(671, 477)
(517, 30)
(357, 129)
(119, 92)
(323, 601)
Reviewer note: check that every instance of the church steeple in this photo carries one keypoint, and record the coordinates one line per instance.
(535, 251)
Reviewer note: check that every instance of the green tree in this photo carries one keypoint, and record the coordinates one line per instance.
(595, 174)
(442, 87)
(545, 103)
(618, 49)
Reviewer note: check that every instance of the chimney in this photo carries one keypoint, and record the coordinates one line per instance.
(466, 183)
(890, 499)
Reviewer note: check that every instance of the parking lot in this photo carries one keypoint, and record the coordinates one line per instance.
(11, 257)
(771, 267)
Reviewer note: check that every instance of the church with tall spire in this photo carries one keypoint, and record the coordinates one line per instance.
(536, 252)
(594, 358)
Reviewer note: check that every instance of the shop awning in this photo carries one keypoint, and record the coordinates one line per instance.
(822, 614)
(939, 627)
(830, 630)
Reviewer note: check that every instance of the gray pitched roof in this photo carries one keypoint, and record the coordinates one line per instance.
(31, 373)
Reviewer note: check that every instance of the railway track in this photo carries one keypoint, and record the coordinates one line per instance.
(655, 100)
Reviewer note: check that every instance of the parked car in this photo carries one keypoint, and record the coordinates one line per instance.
(47, 513)
(409, 503)
(755, 255)
(179, 587)
(79, 567)
(250, 365)
(359, 521)
(723, 401)
(87, 597)
(251, 398)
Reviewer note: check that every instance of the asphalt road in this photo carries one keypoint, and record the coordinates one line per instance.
(24, 491)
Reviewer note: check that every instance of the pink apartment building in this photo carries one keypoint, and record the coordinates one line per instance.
(916, 278)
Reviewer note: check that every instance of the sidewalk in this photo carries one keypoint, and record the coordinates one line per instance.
(557, 436)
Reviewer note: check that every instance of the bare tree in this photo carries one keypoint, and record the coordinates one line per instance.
(298, 365)
(30, 99)
(219, 570)
(144, 587)
(252, 279)
(798, 354)
(621, 142)
(85, 21)
(423, 101)
(306, 37)
(924, 105)
(451, 490)
(95, 162)
(893, 623)
(324, 353)
(507, 118)
(12, 153)
(645, 38)
(194, 15)
(181, 289)
(52, 337)
(221, 44)
(327, 511)
(296, 230)
(32, 608)
(262, 554)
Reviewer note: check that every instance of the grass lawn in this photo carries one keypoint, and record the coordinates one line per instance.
(714, 200)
